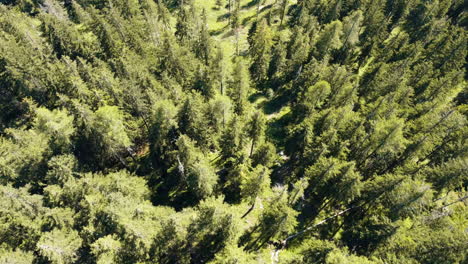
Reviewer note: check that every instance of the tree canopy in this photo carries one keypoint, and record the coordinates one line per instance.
(233, 131)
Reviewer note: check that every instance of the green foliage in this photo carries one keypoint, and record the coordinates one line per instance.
(20, 218)
(192, 131)
(59, 246)
(16, 257)
(240, 87)
(265, 155)
(22, 155)
(232, 141)
(61, 169)
(192, 120)
(233, 255)
(256, 129)
(106, 249)
(329, 39)
(108, 133)
(277, 220)
(58, 125)
(315, 96)
(194, 168)
(260, 51)
(109, 124)
(255, 183)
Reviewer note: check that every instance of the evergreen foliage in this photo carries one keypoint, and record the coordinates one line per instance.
(233, 131)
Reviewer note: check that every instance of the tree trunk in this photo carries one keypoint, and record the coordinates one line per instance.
(249, 211)
(252, 148)
(258, 9)
(283, 9)
(230, 13)
(237, 41)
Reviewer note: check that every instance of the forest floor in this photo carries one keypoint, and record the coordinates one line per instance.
(221, 31)
(218, 23)
(224, 36)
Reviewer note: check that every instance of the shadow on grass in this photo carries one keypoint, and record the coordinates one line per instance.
(250, 4)
(276, 103)
(248, 19)
(228, 34)
(277, 130)
(219, 31)
(223, 17)
(254, 97)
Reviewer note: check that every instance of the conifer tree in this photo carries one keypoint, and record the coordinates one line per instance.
(59, 246)
(276, 220)
(277, 64)
(351, 31)
(329, 39)
(260, 52)
(192, 119)
(218, 72)
(297, 53)
(58, 125)
(194, 169)
(186, 24)
(203, 49)
(141, 131)
(109, 132)
(232, 142)
(253, 185)
(256, 129)
(240, 87)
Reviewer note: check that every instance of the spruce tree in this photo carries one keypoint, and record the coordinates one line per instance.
(260, 52)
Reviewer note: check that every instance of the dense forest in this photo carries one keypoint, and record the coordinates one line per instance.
(233, 131)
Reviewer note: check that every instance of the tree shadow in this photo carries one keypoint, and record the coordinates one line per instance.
(277, 130)
(228, 34)
(250, 4)
(254, 97)
(223, 17)
(248, 19)
(276, 103)
(219, 31)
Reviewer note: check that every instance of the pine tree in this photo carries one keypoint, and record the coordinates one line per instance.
(253, 185)
(297, 53)
(220, 112)
(277, 64)
(240, 87)
(232, 142)
(22, 155)
(351, 31)
(265, 155)
(331, 172)
(276, 220)
(329, 39)
(260, 52)
(218, 72)
(186, 24)
(194, 169)
(203, 48)
(315, 96)
(163, 131)
(128, 132)
(284, 5)
(192, 120)
(58, 125)
(109, 132)
(59, 246)
(256, 129)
